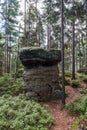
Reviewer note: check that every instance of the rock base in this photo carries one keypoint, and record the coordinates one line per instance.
(42, 83)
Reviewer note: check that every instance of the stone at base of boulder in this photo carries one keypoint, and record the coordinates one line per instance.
(55, 96)
(41, 82)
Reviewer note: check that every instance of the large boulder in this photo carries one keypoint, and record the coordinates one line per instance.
(32, 57)
(41, 73)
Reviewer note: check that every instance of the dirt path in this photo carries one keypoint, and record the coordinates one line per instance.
(63, 120)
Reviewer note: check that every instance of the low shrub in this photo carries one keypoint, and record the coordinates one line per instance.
(19, 73)
(67, 81)
(10, 86)
(75, 124)
(81, 76)
(85, 79)
(79, 124)
(83, 90)
(16, 113)
(78, 107)
(75, 83)
(68, 74)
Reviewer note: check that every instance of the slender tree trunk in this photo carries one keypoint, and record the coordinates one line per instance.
(25, 17)
(48, 37)
(86, 41)
(36, 22)
(29, 24)
(17, 58)
(73, 47)
(5, 48)
(62, 50)
(79, 52)
(5, 56)
(83, 59)
(9, 57)
(76, 59)
(39, 31)
(76, 54)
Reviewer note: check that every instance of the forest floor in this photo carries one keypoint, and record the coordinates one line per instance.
(63, 120)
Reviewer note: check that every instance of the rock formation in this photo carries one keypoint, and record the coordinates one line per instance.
(41, 73)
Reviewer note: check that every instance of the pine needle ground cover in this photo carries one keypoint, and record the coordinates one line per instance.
(17, 113)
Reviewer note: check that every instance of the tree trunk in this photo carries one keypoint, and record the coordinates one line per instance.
(25, 17)
(48, 37)
(73, 47)
(5, 48)
(80, 60)
(62, 50)
(29, 16)
(86, 41)
(9, 55)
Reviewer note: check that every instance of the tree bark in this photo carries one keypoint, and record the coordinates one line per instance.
(62, 50)
(5, 48)
(73, 47)
(48, 36)
(25, 17)
(86, 41)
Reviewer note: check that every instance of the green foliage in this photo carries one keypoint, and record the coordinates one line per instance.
(19, 72)
(9, 13)
(85, 79)
(67, 81)
(16, 113)
(79, 123)
(10, 86)
(75, 124)
(79, 107)
(83, 90)
(75, 83)
(68, 74)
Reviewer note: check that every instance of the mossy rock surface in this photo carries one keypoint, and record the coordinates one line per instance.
(32, 57)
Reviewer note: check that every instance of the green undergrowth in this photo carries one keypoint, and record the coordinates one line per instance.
(79, 124)
(16, 113)
(83, 77)
(83, 90)
(8, 85)
(75, 83)
(68, 74)
(67, 80)
(78, 108)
